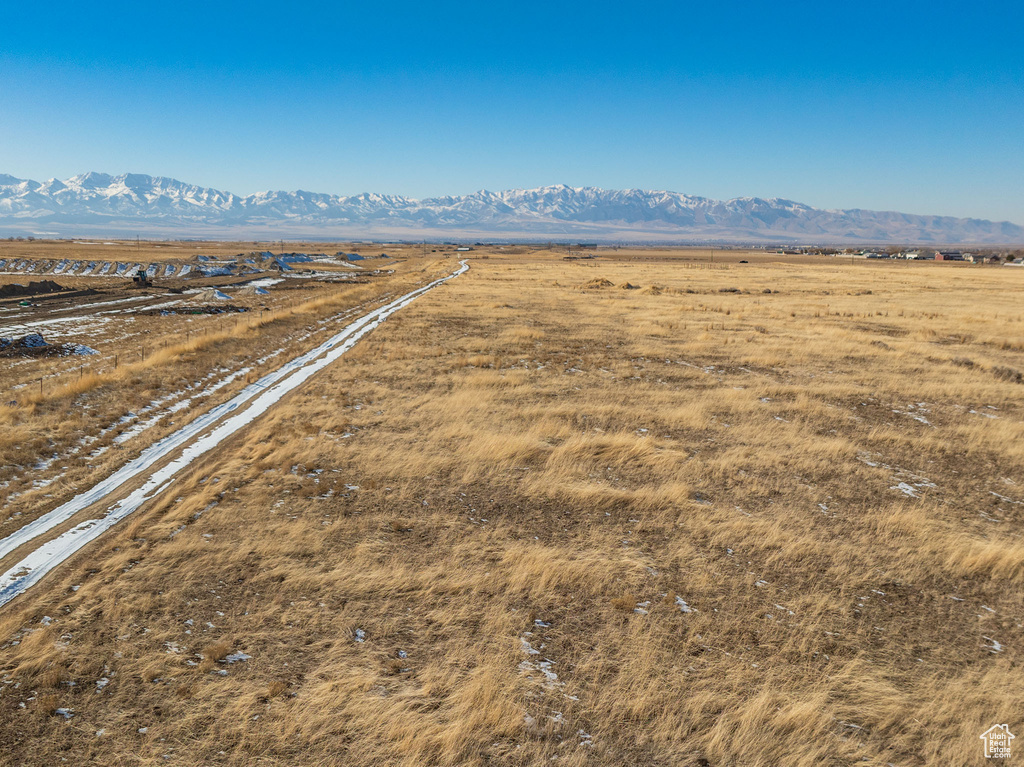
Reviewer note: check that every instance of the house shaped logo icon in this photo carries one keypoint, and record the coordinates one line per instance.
(997, 741)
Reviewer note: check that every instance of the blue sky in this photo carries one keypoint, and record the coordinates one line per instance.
(912, 106)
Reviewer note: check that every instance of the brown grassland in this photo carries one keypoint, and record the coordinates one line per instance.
(738, 514)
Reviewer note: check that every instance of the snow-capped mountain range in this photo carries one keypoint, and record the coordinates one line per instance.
(132, 203)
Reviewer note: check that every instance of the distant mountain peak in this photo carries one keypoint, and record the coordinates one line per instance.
(132, 203)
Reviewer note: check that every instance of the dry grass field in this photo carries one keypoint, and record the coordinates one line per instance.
(638, 510)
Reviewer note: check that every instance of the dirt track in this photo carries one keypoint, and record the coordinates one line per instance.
(40, 546)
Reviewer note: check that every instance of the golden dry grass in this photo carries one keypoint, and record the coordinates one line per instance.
(475, 538)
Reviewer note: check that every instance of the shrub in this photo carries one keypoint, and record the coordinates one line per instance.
(625, 603)
(217, 651)
(1008, 374)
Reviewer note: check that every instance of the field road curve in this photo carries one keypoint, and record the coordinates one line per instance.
(154, 470)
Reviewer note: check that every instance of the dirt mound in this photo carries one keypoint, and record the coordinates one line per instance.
(253, 291)
(32, 289)
(221, 308)
(34, 345)
(628, 286)
(211, 294)
(30, 341)
(599, 284)
(653, 290)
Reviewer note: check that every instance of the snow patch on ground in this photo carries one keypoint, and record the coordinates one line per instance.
(906, 489)
(907, 482)
(995, 647)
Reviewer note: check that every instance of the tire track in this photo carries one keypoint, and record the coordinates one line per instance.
(121, 493)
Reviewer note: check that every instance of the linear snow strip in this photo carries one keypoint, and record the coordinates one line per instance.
(197, 438)
(140, 426)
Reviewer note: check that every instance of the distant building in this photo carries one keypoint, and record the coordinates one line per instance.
(949, 255)
(463, 249)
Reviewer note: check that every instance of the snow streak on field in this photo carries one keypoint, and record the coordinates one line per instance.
(166, 458)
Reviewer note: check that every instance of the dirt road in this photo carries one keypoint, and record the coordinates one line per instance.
(40, 546)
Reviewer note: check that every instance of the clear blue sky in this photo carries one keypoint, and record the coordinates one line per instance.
(912, 106)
